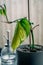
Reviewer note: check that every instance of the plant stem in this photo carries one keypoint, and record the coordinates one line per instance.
(32, 45)
(35, 26)
(6, 18)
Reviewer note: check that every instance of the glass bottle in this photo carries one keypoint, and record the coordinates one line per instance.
(7, 56)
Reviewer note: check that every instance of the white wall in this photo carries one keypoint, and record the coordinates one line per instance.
(36, 15)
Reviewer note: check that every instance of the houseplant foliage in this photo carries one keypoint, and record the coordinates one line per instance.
(23, 29)
(30, 54)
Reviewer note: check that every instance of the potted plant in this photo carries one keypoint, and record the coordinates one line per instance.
(30, 54)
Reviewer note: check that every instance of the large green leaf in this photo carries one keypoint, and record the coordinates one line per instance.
(22, 31)
(19, 36)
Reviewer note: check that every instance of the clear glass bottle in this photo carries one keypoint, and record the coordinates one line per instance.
(7, 56)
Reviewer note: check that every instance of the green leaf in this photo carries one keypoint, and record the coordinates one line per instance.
(4, 10)
(26, 25)
(19, 36)
(22, 31)
(1, 11)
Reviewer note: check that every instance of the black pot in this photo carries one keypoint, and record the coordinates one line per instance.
(27, 57)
